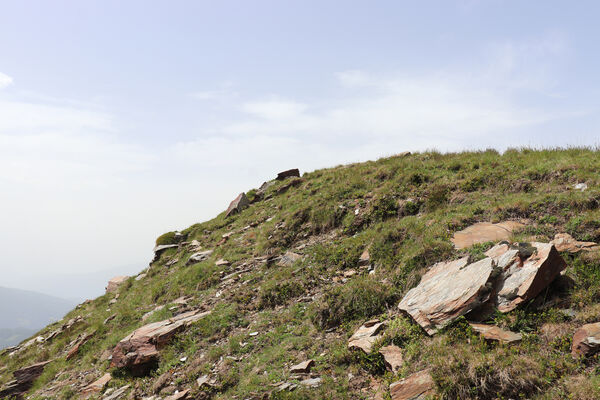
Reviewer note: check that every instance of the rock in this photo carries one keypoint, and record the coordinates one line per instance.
(404, 154)
(580, 186)
(149, 313)
(162, 247)
(303, 367)
(288, 259)
(447, 291)
(114, 283)
(566, 242)
(75, 349)
(199, 257)
(139, 351)
(179, 395)
(418, 386)
(98, 385)
(366, 336)
(115, 394)
(484, 232)
(491, 332)
(293, 183)
(237, 205)
(222, 262)
(288, 174)
(392, 357)
(140, 277)
(586, 340)
(204, 381)
(24, 379)
(364, 259)
(311, 382)
(525, 275)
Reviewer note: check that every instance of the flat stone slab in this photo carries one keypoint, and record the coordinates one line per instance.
(418, 386)
(586, 341)
(366, 336)
(447, 291)
(492, 332)
(98, 385)
(392, 357)
(303, 367)
(482, 232)
(566, 242)
(290, 173)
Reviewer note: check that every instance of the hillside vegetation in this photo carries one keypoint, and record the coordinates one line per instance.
(268, 313)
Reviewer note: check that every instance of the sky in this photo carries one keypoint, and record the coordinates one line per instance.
(122, 120)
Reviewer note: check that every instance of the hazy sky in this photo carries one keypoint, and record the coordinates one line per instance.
(120, 120)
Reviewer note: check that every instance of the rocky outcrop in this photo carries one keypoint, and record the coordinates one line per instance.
(447, 291)
(485, 232)
(114, 283)
(418, 386)
(364, 338)
(586, 341)
(237, 205)
(566, 242)
(290, 173)
(491, 332)
(97, 386)
(138, 352)
(24, 379)
(392, 357)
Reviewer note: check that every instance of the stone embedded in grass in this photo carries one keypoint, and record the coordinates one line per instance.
(482, 232)
(566, 242)
(221, 262)
(392, 357)
(288, 259)
(179, 395)
(97, 386)
(365, 259)
(366, 336)
(418, 386)
(237, 205)
(115, 283)
(586, 340)
(75, 349)
(302, 368)
(138, 352)
(199, 257)
(24, 379)
(115, 394)
(447, 291)
(491, 332)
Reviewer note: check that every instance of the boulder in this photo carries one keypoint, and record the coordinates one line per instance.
(302, 368)
(366, 336)
(447, 291)
(138, 352)
(491, 332)
(237, 205)
(199, 257)
(288, 174)
(114, 283)
(566, 242)
(484, 232)
(418, 386)
(97, 386)
(586, 340)
(527, 269)
(24, 379)
(392, 357)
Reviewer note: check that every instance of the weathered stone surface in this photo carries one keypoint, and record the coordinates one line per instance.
(237, 205)
(447, 291)
(288, 174)
(97, 386)
(179, 395)
(75, 349)
(392, 357)
(526, 271)
(114, 283)
(288, 259)
(566, 242)
(484, 232)
(139, 351)
(303, 367)
(364, 259)
(115, 394)
(417, 386)
(366, 336)
(586, 340)
(199, 257)
(491, 332)
(163, 247)
(221, 262)
(24, 379)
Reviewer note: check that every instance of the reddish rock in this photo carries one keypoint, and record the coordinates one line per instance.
(179, 395)
(566, 242)
(288, 174)
(491, 332)
(114, 283)
(364, 259)
(447, 291)
(139, 351)
(75, 349)
(586, 340)
(24, 379)
(97, 386)
(237, 205)
(484, 232)
(392, 357)
(418, 386)
(366, 336)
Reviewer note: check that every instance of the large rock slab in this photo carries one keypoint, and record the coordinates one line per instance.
(288, 174)
(566, 242)
(526, 271)
(366, 336)
(139, 351)
(492, 332)
(24, 379)
(447, 291)
(586, 341)
(485, 232)
(237, 205)
(115, 283)
(418, 386)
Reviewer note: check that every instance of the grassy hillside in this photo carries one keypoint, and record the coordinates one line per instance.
(266, 318)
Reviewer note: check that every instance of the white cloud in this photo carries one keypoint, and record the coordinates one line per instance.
(5, 80)
(274, 109)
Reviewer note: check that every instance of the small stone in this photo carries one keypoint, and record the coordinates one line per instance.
(417, 386)
(222, 262)
(392, 357)
(491, 332)
(303, 367)
(366, 336)
(586, 340)
(311, 382)
(580, 186)
(253, 334)
(288, 259)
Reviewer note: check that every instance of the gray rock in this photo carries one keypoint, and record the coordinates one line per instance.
(237, 205)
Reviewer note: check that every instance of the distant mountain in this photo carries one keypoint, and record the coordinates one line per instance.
(23, 312)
